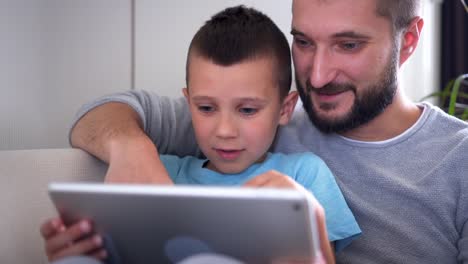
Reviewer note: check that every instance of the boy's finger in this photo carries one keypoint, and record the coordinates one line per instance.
(83, 247)
(258, 181)
(100, 254)
(272, 179)
(50, 227)
(68, 236)
(262, 179)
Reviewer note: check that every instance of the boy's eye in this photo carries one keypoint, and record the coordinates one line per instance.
(248, 110)
(205, 108)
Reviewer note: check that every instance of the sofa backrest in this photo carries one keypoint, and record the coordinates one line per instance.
(25, 204)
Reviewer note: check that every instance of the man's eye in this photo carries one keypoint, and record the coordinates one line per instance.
(205, 108)
(350, 46)
(301, 42)
(248, 110)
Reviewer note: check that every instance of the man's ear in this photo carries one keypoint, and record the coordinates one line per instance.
(410, 39)
(287, 107)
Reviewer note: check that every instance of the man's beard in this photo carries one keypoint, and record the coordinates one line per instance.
(369, 104)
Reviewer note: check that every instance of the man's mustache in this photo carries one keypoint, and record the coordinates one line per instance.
(330, 88)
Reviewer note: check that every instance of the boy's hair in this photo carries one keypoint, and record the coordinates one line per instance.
(238, 34)
(399, 12)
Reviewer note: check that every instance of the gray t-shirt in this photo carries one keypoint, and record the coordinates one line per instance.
(409, 194)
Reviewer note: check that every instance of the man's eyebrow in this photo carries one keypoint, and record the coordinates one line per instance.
(296, 32)
(344, 34)
(350, 34)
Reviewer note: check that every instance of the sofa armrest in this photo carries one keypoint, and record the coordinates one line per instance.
(25, 175)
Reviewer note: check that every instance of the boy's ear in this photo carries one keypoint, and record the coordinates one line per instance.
(410, 39)
(287, 107)
(186, 94)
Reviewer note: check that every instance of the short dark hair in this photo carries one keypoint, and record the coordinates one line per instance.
(239, 34)
(399, 12)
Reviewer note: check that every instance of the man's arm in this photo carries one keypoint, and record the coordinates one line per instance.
(113, 132)
(122, 130)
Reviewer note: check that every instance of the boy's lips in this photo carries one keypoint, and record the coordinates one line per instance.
(228, 154)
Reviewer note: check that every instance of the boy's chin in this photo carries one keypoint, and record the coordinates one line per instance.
(226, 168)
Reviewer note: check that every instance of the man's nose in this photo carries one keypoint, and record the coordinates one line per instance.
(226, 126)
(322, 69)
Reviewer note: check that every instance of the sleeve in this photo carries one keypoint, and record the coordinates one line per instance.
(167, 121)
(173, 165)
(463, 244)
(458, 167)
(461, 218)
(315, 176)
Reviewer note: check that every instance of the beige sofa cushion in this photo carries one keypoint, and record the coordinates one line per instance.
(25, 203)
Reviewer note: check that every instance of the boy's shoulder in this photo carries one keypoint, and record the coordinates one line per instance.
(296, 156)
(297, 162)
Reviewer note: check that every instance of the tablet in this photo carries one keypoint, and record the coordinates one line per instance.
(166, 224)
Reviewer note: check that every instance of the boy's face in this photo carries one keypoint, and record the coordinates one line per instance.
(235, 111)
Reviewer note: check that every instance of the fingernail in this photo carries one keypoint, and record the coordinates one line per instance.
(103, 254)
(55, 224)
(97, 240)
(85, 227)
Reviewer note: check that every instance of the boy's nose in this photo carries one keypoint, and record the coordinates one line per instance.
(226, 127)
(322, 69)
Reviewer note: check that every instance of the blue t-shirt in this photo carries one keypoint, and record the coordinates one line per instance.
(305, 168)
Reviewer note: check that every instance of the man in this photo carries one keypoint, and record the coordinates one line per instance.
(401, 166)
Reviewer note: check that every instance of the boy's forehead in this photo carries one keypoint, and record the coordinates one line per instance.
(202, 65)
(256, 73)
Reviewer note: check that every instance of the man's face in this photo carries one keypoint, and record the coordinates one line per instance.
(346, 62)
(235, 111)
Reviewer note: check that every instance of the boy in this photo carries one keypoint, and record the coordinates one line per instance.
(238, 80)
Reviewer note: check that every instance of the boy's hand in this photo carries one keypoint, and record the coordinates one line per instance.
(78, 239)
(275, 179)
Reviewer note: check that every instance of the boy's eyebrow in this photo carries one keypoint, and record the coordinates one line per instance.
(344, 34)
(253, 100)
(241, 99)
(201, 97)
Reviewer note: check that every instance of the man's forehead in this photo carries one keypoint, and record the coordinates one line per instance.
(368, 5)
(337, 16)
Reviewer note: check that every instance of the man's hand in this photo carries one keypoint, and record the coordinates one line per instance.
(275, 179)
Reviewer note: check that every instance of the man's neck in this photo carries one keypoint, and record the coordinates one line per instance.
(396, 119)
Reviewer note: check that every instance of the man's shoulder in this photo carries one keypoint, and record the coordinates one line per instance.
(442, 126)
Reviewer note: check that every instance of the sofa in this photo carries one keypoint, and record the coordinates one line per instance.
(25, 203)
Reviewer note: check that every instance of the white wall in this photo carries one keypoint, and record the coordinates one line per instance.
(164, 30)
(420, 74)
(56, 55)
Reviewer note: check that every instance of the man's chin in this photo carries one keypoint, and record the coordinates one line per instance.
(330, 121)
(331, 113)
